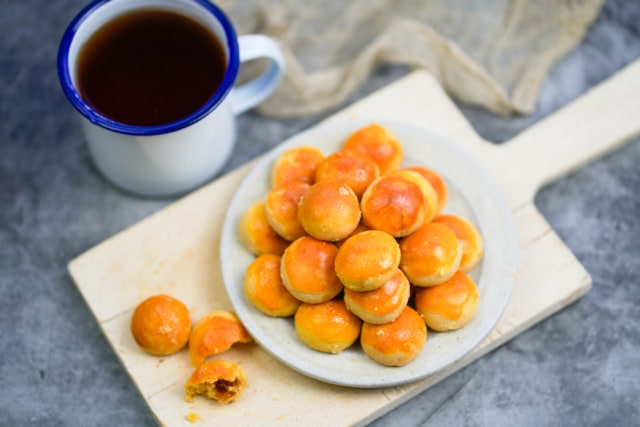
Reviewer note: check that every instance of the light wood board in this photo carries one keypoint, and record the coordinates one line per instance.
(176, 251)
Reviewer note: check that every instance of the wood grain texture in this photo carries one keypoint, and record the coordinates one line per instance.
(176, 250)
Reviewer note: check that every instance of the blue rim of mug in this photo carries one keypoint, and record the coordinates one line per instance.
(96, 118)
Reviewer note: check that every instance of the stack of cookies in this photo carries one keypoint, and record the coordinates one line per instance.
(356, 247)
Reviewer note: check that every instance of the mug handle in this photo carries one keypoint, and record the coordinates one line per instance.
(250, 94)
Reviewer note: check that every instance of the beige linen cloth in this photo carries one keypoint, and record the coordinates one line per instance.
(492, 53)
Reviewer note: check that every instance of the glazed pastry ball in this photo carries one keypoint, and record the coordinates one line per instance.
(450, 305)
(264, 288)
(257, 235)
(161, 325)
(307, 270)
(220, 380)
(381, 305)
(437, 183)
(281, 208)
(329, 210)
(367, 260)
(328, 327)
(378, 143)
(354, 168)
(431, 255)
(298, 163)
(395, 343)
(469, 237)
(215, 333)
(394, 204)
(430, 196)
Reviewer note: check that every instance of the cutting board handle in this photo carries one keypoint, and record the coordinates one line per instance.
(596, 123)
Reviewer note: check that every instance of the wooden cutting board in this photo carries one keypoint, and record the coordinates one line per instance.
(176, 251)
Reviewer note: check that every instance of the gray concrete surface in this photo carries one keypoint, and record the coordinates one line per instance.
(580, 367)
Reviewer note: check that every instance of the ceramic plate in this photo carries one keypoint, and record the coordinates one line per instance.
(472, 194)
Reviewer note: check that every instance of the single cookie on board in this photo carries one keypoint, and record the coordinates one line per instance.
(161, 325)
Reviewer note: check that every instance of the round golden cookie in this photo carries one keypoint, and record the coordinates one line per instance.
(328, 327)
(329, 210)
(281, 208)
(257, 235)
(394, 204)
(367, 260)
(220, 380)
(380, 305)
(161, 325)
(354, 168)
(450, 305)
(264, 288)
(437, 183)
(430, 255)
(298, 163)
(395, 343)
(469, 237)
(430, 196)
(307, 270)
(378, 143)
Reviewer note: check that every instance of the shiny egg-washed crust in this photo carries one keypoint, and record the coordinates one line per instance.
(367, 260)
(328, 327)
(469, 237)
(351, 167)
(437, 183)
(450, 305)
(378, 143)
(298, 163)
(380, 305)
(329, 210)
(215, 333)
(264, 289)
(394, 204)
(257, 235)
(307, 270)
(281, 208)
(219, 380)
(395, 343)
(161, 325)
(430, 196)
(430, 255)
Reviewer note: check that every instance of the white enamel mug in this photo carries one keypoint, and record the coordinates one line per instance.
(176, 157)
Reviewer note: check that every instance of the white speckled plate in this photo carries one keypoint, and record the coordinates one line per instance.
(472, 194)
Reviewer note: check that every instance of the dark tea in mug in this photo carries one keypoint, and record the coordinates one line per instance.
(150, 68)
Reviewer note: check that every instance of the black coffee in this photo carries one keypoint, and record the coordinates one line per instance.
(150, 68)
